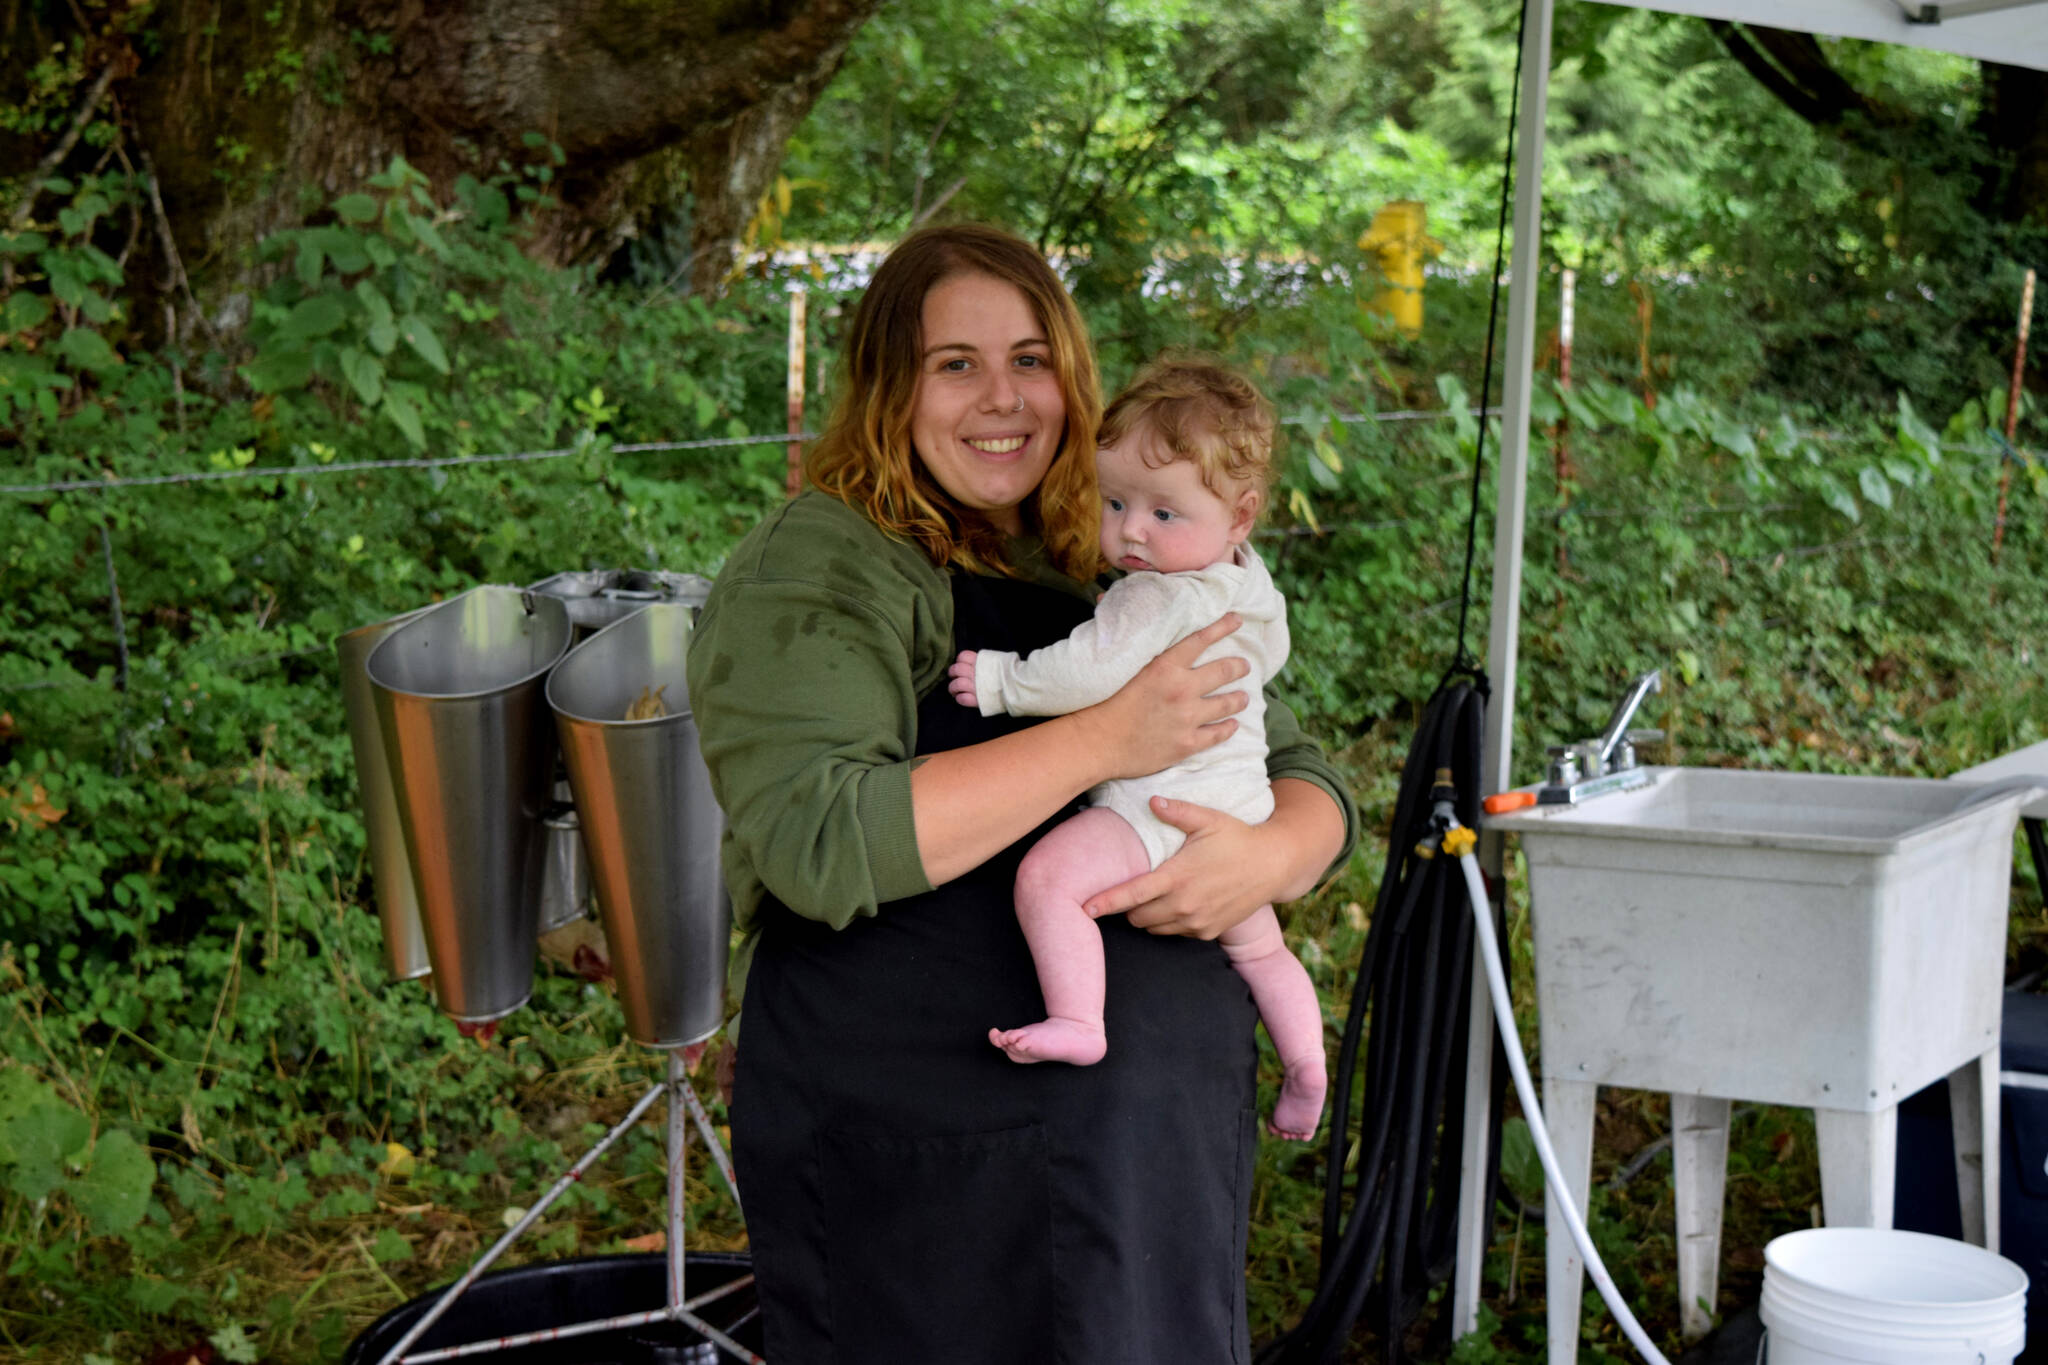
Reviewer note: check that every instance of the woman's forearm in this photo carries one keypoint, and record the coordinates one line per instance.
(970, 804)
(1309, 829)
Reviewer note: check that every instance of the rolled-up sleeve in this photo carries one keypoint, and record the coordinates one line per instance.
(805, 697)
(1291, 753)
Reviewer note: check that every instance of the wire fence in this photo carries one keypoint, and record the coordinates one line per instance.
(2003, 453)
(557, 453)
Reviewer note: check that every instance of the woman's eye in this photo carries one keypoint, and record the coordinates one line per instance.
(1031, 362)
(956, 365)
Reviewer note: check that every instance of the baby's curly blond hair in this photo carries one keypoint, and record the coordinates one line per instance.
(1200, 411)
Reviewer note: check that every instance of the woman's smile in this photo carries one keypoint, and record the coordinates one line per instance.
(990, 414)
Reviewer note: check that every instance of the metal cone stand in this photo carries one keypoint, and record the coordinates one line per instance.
(457, 702)
(680, 1308)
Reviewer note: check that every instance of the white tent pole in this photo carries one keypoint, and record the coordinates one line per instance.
(1474, 1200)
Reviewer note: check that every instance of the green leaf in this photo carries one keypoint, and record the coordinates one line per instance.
(234, 1344)
(421, 230)
(1874, 485)
(1618, 405)
(421, 338)
(390, 1246)
(382, 336)
(113, 1193)
(88, 350)
(312, 259)
(346, 249)
(406, 418)
(23, 311)
(1733, 437)
(65, 281)
(279, 369)
(1915, 436)
(375, 305)
(1902, 471)
(1519, 1164)
(356, 208)
(1583, 413)
(34, 1144)
(365, 374)
(1841, 499)
(314, 317)
(1326, 453)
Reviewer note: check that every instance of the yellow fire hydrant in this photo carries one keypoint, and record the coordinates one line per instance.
(1400, 245)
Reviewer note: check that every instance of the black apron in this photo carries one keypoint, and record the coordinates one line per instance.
(915, 1197)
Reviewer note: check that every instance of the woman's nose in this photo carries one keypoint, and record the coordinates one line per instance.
(1002, 393)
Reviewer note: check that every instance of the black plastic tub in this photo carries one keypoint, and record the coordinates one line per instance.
(555, 1294)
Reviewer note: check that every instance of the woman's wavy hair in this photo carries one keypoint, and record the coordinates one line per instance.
(865, 458)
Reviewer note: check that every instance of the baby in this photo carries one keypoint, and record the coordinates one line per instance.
(1185, 455)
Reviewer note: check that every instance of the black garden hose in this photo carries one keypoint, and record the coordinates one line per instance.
(1390, 1208)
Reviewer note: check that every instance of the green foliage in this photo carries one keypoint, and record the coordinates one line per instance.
(198, 1053)
(48, 1149)
(1778, 495)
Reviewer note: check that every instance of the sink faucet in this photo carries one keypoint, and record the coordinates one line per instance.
(1607, 762)
(1617, 724)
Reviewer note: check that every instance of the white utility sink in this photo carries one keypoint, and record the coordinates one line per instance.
(1813, 940)
(1835, 943)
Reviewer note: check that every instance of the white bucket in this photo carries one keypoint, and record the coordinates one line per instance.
(1875, 1296)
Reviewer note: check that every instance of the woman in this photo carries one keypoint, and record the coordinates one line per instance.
(912, 1195)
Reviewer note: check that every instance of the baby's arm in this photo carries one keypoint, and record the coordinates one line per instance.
(1136, 619)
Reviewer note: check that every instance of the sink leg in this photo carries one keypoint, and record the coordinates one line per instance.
(1568, 1108)
(1973, 1109)
(1857, 1152)
(1699, 1158)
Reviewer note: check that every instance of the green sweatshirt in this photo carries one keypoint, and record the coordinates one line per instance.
(806, 668)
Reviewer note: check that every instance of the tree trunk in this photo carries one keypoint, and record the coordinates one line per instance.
(240, 109)
(2012, 118)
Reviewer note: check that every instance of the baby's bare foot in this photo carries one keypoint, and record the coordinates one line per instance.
(1054, 1040)
(1300, 1106)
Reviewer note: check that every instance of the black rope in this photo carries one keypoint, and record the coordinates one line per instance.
(1463, 662)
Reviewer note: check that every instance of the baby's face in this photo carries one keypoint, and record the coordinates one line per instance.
(1163, 517)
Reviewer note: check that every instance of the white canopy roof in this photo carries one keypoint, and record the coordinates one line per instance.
(2011, 31)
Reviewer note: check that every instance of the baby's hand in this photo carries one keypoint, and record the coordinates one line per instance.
(960, 680)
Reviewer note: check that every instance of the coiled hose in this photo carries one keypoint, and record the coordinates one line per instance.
(1390, 1205)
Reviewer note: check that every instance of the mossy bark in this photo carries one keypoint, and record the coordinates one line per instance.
(253, 116)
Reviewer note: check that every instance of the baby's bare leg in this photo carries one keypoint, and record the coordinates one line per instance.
(1294, 1019)
(1092, 852)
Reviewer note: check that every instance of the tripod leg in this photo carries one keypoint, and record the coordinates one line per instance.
(678, 1140)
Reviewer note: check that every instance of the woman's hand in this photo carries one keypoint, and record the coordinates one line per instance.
(1227, 869)
(1166, 713)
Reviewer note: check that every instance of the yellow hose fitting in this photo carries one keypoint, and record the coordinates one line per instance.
(1458, 842)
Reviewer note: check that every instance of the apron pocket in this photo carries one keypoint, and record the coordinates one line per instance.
(940, 1247)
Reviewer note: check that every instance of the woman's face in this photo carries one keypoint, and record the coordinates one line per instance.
(989, 414)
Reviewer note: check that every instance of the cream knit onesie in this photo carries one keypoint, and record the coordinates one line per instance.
(1141, 615)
